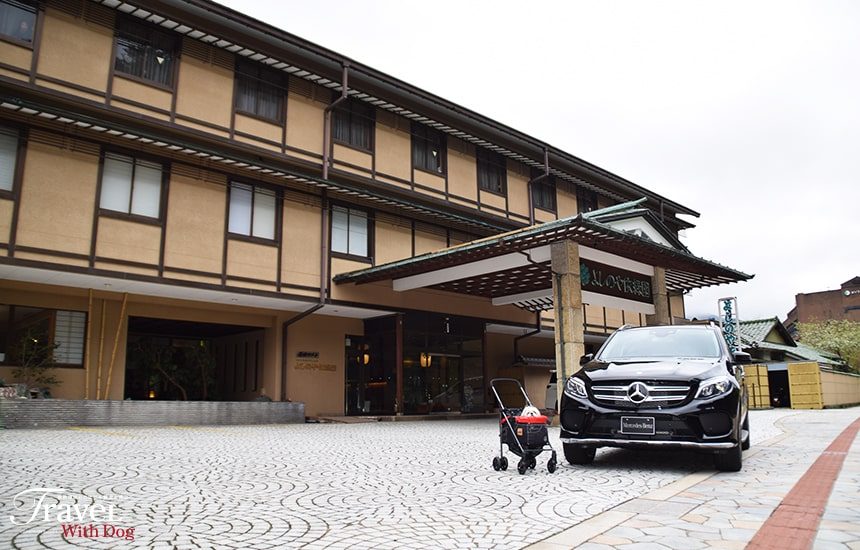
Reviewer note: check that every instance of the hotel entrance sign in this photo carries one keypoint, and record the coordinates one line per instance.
(613, 281)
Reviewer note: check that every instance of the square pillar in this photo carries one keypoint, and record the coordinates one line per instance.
(661, 299)
(569, 314)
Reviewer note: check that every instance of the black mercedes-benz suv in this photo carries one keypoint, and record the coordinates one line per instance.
(659, 387)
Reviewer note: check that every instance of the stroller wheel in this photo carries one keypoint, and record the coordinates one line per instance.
(522, 466)
(496, 465)
(551, 465)
(504, 463)
(532, 462)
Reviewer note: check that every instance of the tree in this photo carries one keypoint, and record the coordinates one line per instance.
(840, 337)
(34, 354)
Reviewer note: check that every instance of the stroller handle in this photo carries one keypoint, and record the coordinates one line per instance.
(493, 383)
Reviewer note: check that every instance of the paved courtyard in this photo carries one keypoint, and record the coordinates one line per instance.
(377, 485)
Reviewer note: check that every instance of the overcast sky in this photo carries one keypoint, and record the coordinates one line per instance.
(747, 112)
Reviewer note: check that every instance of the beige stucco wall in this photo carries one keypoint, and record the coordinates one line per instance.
(305, 123)
(500, 358)
(195, 223)
(393, 149)
(566, 200)
(6, 207)
(253, 260)
(320, 389)
(128, 240)
(300, 263)
(463, 173)
(393, 241)
(75, 50)
(351, 156)
(204, 91)
(57, 199)
(260, 128)
(123, 88)
(17, 56)
(425, 241)
(840, 389)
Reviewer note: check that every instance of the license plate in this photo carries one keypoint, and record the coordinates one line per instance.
(637, 425)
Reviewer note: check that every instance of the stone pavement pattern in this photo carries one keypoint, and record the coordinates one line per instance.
(385, 485)
(709, 510)
(840, 525)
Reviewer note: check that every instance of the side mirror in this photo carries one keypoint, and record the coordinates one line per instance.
(586, 358)
(742, 358)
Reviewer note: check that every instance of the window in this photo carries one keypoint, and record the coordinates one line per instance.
(8, 158)
(131, 186)
(34, 333)
(428, 148)
(145, 52)
(259, 90)
(253, 211)
(349, 231)
(586, 200)
(492, 171)
(352, 124)
(543, 194)
(17, 20)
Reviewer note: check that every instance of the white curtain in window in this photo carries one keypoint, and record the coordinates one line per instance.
(8, 154)
(357, 233)
(69, 335)
(116, 183)
(241, 197)
(146, 197)
(264, 214)
(340, 230)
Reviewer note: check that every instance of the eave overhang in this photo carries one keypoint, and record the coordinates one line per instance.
(245, 36)
(62, 112)
(516, 265)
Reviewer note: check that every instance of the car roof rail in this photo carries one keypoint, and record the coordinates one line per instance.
(625, 326)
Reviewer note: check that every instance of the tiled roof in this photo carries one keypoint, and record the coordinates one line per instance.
(756, 331)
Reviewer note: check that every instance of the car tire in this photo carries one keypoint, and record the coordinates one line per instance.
(745, 428)
(577, 454)
(731, 460)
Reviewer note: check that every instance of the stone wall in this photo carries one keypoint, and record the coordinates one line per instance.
(59, 413)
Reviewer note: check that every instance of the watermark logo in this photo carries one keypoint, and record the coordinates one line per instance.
(95, 520)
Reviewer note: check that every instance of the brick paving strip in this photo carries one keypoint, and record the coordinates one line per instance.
(794, 523)
(707, 509)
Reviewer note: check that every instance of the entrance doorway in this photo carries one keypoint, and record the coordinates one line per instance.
(443, 367)
(189, 361)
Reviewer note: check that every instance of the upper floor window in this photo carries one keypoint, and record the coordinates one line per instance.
(8, 158)
(428, 148)
(131, 186)
(352, 124)
(586, 200)
(349, 231)
(253, 211)
(543, 194)
(17, 20)
(259, 90)
(145, 52)
(492, 171)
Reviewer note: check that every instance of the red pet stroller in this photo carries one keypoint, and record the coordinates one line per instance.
(526, 435)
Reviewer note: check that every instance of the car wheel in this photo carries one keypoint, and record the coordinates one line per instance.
(745, 433)
(731, 460)
(577, 454)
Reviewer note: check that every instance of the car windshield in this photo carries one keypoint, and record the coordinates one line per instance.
(661, 343)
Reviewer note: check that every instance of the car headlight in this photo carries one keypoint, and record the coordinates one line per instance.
(714, 387)
(574, 387)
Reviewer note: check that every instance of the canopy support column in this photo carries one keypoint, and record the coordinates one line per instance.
(569, 315)
(661, 299)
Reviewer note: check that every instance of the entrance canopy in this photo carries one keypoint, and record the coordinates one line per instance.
(617, 263)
